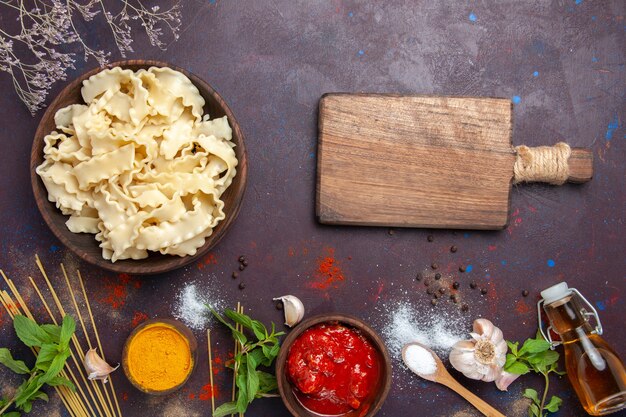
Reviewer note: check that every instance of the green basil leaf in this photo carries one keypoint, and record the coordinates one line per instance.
(59, 380)
(252, 383)
(221, 319)
(3, 402)
(6, 359)
(544, 360)
(534, 346)
(12, 414)
(267, 382)
(533, 411)
(242, 395)
(274, 351)
(517, 368)
(27, 406)
(45, 356)
(510, 359)
(226, 409)
(531, 394)
(259, 329)
(67, 330)
(53, 331)
(40, 395)
(29, 332)
(239, 318)
(554, 404)
(56, 366)
(513, 347)
(26, 390)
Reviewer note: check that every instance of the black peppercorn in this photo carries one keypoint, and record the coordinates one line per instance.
(242, 258)
(391, 232)
(525, 293)
(483, 291)
(418, 277)
(242, 267)
(453, 249)
(242, 286)
(434, 266)
(437, 275)
(442, 290)
(430, 238)
(473, 285)
(244, 262)
(279, 305)
(464, 307)
(456, 285)
(235, 275)
(462, 268)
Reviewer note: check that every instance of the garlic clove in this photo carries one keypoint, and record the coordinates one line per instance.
(504, 380)
(96, 367)
(293, 308)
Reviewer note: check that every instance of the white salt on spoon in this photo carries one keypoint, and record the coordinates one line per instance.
(425, 363)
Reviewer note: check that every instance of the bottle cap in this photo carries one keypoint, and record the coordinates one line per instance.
(555, 292)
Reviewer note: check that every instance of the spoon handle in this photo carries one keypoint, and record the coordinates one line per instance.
(476, 401)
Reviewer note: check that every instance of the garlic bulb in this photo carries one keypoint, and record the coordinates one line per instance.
(96, 367)
(294, 309)
(482, 357)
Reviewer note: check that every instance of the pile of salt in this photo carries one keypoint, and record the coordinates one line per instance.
(419, 360)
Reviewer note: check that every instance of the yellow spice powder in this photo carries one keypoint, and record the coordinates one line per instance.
(159, 357)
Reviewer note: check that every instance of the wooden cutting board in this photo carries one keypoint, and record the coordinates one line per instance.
(419, 161)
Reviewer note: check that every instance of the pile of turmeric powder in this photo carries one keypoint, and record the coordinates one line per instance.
(159, 357)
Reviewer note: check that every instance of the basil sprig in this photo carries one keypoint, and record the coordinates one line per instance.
(535, 355)
(52, 343)
(259, 350)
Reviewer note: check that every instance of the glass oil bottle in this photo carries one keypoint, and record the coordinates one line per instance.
(594, 369)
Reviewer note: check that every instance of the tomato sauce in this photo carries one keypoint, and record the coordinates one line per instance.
(334, 369)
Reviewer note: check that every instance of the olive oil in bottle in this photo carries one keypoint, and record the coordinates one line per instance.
(594, 369)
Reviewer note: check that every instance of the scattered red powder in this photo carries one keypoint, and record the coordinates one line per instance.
(533, 209)
(125, 396)
(522, 307)
(116, 291)
(209, 259)
(492, 247)
(139, 317)
(217, 365)
(1, 317)
(208, 392)
(328, 273)
(292, 251)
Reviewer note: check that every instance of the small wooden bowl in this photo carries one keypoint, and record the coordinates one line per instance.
(85, 245)
(183, 331)
(286, 389)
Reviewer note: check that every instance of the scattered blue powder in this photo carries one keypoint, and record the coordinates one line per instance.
(551, 263)
(361, 52)
(536, 74)
(350, 14)
(594, 59)
(503, 262)
(472, 17)
(600, 305)
(517, 99)
(469, 268)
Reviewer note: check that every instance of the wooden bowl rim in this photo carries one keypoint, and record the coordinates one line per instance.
(351, 321)
(183, 330)
(130, 266)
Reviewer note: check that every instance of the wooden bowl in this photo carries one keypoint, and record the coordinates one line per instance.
(183, 330)
(85, 245)
(286, 389)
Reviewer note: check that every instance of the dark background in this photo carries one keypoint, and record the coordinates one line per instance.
(562, 62)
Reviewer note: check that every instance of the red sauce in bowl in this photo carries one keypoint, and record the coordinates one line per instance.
(334, 369)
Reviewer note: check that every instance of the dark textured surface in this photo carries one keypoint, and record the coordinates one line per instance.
(563, 64)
